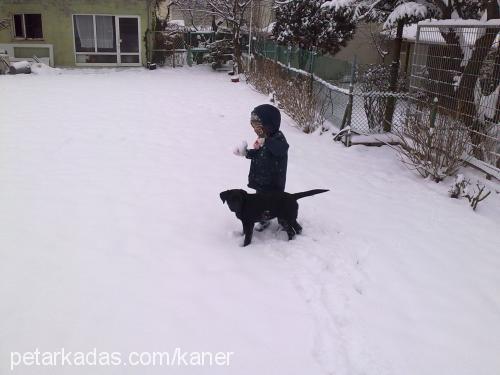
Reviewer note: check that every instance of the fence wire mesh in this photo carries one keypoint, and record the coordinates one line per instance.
(362, 107)
(459, 66)
(369, 111)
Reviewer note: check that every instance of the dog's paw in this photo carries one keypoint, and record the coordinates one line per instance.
(245, 242)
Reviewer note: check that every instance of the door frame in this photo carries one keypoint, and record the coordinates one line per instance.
(118, 51)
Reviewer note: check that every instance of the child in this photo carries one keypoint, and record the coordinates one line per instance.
(269, 156)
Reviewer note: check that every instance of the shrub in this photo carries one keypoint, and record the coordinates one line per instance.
(432, 142)
(297, 94)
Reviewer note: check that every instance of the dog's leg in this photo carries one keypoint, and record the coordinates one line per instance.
(289, 230)
(248, 230)
(296, 227)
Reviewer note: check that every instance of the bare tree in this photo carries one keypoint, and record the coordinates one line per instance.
(233, 12)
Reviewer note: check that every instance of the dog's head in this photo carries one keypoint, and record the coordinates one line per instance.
(234, 198)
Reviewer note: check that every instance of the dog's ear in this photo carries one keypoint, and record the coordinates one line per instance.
(223, 196)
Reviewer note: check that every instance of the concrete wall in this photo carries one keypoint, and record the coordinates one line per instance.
(364, 46)
(57, 21)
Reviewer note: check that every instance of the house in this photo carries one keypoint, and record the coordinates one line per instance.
(76, 32)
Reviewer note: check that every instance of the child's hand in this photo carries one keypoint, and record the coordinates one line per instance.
(258, 143)
(241, 149)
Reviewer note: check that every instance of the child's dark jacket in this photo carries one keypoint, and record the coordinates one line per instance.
(268, 163)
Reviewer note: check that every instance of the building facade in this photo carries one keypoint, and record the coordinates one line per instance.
(76, 32)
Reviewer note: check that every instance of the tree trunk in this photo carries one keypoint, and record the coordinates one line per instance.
(237, 51)
(466, 104)
(396, 58)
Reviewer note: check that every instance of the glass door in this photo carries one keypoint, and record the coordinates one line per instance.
(129, 42)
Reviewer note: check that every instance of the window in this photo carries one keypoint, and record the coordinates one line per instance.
(28, 26)
(106, 39)
(94, 33)
(84, 33)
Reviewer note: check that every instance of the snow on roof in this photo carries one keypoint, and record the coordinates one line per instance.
(338, 4)
(410, 34)
(467, 30)
(430, 31)
(406, 11)
(429, 35)
(459, 23)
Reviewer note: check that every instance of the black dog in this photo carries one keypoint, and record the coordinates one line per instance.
(252, 208)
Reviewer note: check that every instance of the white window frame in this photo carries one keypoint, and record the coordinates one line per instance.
(117, 36)
(14, 36)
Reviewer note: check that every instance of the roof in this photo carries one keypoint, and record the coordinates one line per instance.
(430, 30)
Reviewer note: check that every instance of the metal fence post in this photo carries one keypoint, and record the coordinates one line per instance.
(432, 123)
(346, 121)
(189, 56)
(433, 114)
(289, 48)
(311, 65)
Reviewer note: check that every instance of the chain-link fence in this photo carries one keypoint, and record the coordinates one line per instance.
(345, 98)
(452, 103)
(370, 111)
(326, 67)
(457, 65)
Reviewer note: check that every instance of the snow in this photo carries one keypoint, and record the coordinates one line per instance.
(177, 23)
(460, 22)
(41, 68)
(327, 84)
(241, 148)
(430, 32)
(19, 65)
(338, 4)
(113, 236)
(331, 86)
(405, 11)
(269, 28)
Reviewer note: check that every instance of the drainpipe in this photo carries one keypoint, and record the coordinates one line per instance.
(149, 30)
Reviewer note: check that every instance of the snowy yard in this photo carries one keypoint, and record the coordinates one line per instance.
(113, 236)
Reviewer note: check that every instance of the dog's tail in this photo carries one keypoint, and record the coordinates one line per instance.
(309, 193)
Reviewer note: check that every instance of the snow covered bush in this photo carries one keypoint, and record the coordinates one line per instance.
(304, 101)
(463, 188)
(297, 94)
(458, 186)
(432, 141)
(476, 194)
(263, 74)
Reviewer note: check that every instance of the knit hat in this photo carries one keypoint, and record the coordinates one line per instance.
(269, 116)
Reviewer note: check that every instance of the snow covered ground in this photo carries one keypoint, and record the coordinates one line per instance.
(113, 236)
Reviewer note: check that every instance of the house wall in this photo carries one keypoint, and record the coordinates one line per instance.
(57, 21)
(365, 44)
